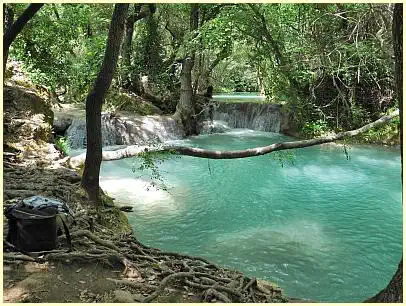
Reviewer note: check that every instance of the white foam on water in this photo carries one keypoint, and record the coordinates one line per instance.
(140, 194)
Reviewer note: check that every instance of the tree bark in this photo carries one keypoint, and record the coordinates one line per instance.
(8, 17)
(131, 151)
(185, 109)
(16, 28)
(94, 101)
(393, 293)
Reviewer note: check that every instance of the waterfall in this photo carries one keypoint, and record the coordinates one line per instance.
(255, 116)
(149, 130)
(127, 130)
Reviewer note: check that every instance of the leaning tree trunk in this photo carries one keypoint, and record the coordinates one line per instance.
(16, 28)
(393, 293)
(185, 109)
(8, 17)
(94, 101)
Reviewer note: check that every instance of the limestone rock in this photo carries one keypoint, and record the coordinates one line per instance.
(268, 287)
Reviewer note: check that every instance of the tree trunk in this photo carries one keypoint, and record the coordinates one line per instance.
(16, 28)
(94, 101)
(8, 17)
(185, 109)
(393, 293)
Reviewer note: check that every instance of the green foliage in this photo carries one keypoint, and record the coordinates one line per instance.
(388, 134)
(331, 64)
(315, 128)
(57, 50)
(150, 162)
(62, 144)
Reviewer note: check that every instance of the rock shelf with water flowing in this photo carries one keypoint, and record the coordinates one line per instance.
(126, 130)
(148, 130)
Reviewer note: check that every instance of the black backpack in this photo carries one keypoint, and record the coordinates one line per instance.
(34, 230)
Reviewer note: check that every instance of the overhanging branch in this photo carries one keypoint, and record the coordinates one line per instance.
(131, 151)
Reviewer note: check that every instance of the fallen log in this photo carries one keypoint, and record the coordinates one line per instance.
(134, 150)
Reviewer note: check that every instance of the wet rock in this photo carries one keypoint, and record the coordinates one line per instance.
(61, 125)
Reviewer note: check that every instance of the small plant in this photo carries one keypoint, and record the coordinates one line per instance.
(315, 128)
(62, 144)
(150, 161)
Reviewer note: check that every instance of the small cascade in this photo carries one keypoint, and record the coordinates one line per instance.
(254, 116)
(116, 130)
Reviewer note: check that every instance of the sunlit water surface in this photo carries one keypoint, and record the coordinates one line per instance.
(325, 228)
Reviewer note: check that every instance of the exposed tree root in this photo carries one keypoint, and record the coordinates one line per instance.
(131, 283)
(212, 292)
(165, 282)
(17, 257)
(96, 239)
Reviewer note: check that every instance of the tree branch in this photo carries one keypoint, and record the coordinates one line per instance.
(17, 27)
(131, 151)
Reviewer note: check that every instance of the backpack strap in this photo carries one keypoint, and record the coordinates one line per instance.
(67, 234)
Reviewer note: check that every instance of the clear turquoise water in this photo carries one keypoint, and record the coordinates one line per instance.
(325, 228)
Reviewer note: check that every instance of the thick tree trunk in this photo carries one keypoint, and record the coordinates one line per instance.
(8, 17)
(185, 109)
(397, 29)
(16, 28)
(94, 101)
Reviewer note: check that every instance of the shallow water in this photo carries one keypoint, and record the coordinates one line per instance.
(325, 228)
